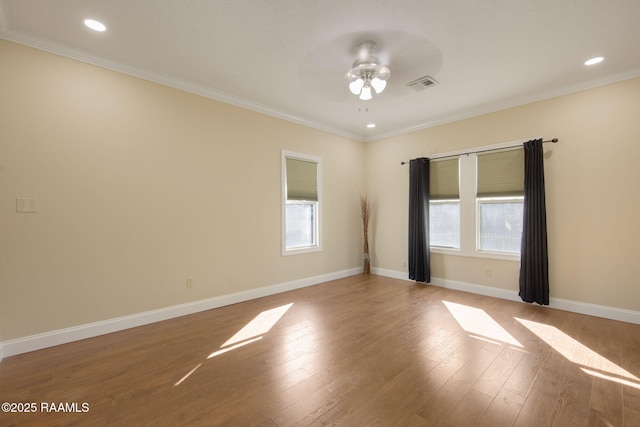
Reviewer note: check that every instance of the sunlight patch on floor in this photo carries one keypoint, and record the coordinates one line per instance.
(476, 337)
(260, 325)
(250, 333)
(188, 375)
(611, 378)
(477, 322)
(591, 362)
(233, 347)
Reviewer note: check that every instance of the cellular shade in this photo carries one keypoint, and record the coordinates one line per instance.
(302, 180)
(443, 179)
(501, 174)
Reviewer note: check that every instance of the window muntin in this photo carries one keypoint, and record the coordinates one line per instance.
(301, 202)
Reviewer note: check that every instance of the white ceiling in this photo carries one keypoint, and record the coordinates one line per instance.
(288, 58)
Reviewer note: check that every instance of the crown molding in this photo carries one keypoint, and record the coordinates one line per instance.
(509, 103)
(216, 95)
(16, 36)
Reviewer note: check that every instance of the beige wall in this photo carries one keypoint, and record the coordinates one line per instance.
(140, 186)
(592, 180)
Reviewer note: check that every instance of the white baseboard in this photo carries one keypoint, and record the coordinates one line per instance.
(402, 275)
(63, 336)
(603, 311)
(613, 313)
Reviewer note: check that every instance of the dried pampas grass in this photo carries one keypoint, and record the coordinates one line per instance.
(366, 206)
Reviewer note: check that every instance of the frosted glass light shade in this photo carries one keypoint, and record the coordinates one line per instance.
(378, 84)
(365, 95)
(356, 86)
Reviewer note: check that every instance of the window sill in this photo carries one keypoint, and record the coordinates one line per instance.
(303, 250)
(477, 254)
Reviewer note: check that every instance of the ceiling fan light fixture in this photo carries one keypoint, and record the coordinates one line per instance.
(367, 72)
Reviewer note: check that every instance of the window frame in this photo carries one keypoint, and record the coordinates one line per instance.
(317, 226)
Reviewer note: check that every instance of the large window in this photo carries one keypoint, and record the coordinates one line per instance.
(476, 203)
(301, 195)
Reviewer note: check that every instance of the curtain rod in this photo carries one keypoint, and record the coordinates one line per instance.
(554, 140)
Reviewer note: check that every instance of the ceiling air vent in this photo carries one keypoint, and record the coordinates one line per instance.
(422, 83)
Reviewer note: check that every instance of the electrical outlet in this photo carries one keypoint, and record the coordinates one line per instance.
(487, 272)
(404, 265)
(189, 282)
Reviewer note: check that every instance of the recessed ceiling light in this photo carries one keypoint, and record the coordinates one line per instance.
(594, 61)
(95, 25)
(371, 125)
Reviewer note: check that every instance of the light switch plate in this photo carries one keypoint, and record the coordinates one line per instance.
(26, 205)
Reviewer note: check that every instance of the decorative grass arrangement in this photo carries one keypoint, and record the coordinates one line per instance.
(366, 206)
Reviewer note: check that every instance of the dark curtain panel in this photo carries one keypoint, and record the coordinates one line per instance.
(534, 266)
(419, 255)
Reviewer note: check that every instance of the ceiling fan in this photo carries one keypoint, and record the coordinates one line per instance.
(367, 72)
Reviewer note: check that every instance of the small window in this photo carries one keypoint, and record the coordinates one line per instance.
(301, 179)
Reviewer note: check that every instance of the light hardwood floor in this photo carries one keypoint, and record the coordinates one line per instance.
(361, 351)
